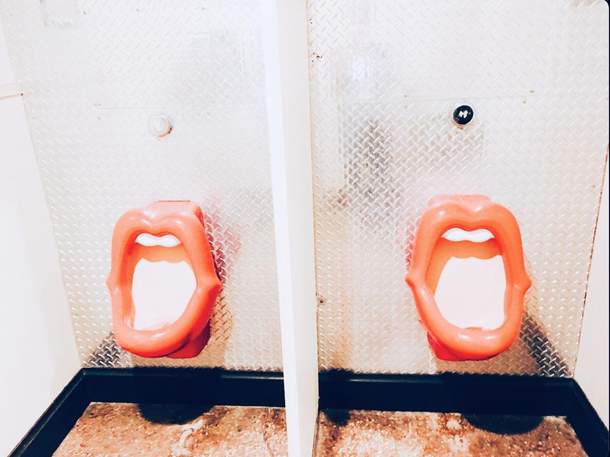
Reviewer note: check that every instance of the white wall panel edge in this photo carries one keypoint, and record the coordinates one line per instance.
(39, 352)
(592, 362)
(287, 86)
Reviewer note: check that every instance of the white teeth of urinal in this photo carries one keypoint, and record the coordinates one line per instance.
(475, 236)
(166, 241)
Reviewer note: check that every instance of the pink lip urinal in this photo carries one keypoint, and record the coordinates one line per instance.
(484, 230)
(183, 222)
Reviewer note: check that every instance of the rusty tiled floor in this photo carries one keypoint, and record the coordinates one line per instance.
(114, 429)
(405, 434)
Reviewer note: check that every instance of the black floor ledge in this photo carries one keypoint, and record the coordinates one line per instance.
(461, 393)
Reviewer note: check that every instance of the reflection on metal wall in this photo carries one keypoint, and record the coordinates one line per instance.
(385, 79)
(93, 73)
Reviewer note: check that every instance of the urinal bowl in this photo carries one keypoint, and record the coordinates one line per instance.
(188, 334)
(471, 215)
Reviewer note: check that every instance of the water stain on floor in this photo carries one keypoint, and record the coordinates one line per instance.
(116, 429)
(409, 434)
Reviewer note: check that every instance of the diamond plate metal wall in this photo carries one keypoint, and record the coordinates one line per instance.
(93, 72)
(385, 79)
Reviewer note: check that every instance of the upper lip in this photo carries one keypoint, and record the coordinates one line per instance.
(473, 213)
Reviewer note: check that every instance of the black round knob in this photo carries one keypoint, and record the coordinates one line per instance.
(463, 115)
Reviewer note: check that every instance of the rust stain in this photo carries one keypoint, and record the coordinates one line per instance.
(376, 433)
(173, 430)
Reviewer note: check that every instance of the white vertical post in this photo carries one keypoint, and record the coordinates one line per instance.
(592, 363)
(287, 86)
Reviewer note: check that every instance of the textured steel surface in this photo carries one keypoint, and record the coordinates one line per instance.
(385, 79)
(93, 72)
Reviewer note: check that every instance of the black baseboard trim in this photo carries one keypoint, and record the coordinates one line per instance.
(447, 392)
(587, 424)
(204, 386)
(55, 423)
(461, 393)
(469, 394)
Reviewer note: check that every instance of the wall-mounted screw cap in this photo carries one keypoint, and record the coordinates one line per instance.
(463, 115)
(160, 125)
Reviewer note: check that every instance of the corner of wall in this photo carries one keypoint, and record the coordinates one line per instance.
(592, 363)
(39, 355)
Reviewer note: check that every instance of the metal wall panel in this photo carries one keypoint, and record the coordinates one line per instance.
(93, 72)
(385, 79)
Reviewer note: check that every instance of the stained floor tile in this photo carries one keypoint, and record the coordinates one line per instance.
(115, 429)
(406, 434)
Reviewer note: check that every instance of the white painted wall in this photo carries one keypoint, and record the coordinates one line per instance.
(38, 355)
(592, 363)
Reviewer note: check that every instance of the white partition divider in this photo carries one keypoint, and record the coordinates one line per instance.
(287, 86)
(38, 355)
(592, 363)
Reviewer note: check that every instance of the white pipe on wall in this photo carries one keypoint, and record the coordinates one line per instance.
(38, 355)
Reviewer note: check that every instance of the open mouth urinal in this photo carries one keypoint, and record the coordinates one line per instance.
(468, 277)
(162, 281)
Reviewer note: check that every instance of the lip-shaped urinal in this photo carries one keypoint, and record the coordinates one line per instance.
(474, 228)
(180, 226)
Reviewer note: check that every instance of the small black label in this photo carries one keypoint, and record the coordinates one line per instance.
(463, 115)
